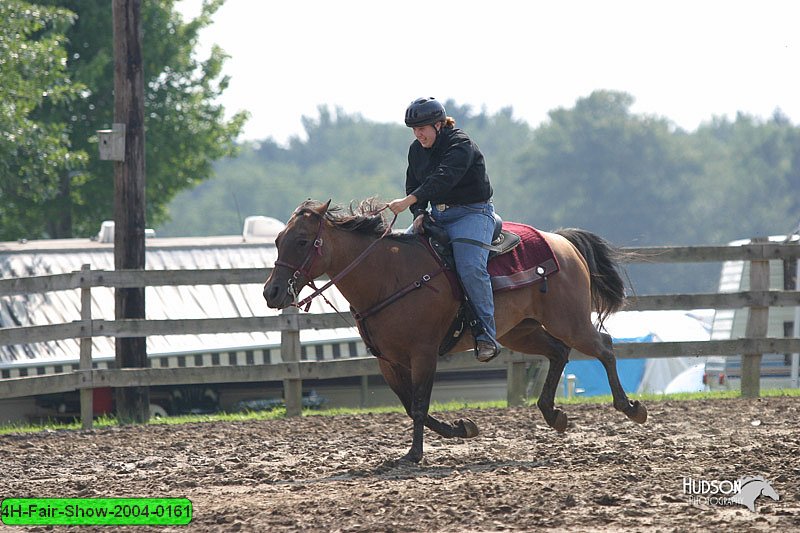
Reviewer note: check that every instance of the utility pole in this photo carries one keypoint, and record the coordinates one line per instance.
(133, 403)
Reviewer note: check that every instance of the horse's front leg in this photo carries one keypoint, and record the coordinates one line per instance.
(422, 374)
(399, 380)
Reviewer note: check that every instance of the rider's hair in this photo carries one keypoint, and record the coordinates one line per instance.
(449, 122)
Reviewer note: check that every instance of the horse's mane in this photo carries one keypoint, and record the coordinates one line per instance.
(366, 217)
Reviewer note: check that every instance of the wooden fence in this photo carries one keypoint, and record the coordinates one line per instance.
(292, 370)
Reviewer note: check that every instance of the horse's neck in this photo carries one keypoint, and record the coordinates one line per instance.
(371, 279)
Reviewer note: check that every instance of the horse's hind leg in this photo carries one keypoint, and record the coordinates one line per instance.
(556, 418)
(531, 338)
(601, 347)
(634, 410)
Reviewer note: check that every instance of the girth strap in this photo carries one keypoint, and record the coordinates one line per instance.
(416, 284)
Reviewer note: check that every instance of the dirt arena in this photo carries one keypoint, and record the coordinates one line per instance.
(340, 474)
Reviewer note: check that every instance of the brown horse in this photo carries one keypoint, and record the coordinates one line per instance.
(377, 273)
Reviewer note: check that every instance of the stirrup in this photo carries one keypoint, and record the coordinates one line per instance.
(485, 350)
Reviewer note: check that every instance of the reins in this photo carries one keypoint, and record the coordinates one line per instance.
(305, 268)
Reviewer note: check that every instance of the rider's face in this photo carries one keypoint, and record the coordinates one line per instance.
(426, 135)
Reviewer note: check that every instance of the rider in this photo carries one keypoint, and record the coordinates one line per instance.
(446, 169)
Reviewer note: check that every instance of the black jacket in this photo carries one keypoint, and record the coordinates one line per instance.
(452, 171)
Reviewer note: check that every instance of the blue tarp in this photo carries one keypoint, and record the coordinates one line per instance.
(591, 376)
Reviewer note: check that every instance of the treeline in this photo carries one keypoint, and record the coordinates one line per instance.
(636, 180)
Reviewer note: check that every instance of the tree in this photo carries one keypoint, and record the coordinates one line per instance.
(343, 157)
(186, 130)
(636, 180)
(753, 167)
(627, 177)
(600, 167)
(34, 153)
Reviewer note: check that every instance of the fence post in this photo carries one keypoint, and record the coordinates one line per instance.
(791, 281)
(291, 351)
(363, 391)
(517, 381)
(85, 363)
(537, 373)
(757, 322)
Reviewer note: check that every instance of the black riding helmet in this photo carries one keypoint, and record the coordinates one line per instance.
(424, 111)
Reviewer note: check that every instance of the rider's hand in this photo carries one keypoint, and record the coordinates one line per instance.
(401, 204)
(396, 206)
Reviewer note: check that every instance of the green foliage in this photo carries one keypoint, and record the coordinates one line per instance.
(34, 152)
(185, 130)
(599, 154)
(751, 168)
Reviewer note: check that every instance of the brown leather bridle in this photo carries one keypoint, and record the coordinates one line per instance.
(305, 268)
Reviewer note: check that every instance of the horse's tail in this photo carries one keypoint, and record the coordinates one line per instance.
(608, 289)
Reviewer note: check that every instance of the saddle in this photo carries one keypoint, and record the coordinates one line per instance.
(502, 240)
(441, 246)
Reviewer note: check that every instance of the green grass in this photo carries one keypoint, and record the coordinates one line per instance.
(106, 421)
(686, 396)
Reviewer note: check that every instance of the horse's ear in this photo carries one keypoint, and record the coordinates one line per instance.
(324, 208)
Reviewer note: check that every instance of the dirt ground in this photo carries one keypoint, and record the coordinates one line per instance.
(341, 474)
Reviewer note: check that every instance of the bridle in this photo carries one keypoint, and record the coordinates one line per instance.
(305, 267)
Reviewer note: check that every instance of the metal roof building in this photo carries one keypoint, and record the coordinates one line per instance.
(254, 249)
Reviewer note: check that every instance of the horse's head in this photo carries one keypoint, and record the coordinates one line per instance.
(300, 254)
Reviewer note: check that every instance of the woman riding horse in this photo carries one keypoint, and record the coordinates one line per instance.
(405, 306)
(447, 170)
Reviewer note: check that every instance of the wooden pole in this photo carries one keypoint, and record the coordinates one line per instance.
(291, 352)
(757, 322)
(129, 200)
(517, 381)
(85, 363)
(791, 281)
(363, 396)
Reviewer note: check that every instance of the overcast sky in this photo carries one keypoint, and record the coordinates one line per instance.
(684, 60)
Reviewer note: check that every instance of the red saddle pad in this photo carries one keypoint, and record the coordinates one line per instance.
(526, 264)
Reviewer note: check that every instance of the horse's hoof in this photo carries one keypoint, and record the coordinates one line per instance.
(470, 428)
(410, 457)
(637, 412)
(560, 421)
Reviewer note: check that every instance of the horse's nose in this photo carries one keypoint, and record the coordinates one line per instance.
(270, 293)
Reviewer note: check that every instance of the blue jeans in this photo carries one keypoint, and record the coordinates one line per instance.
(473, 221)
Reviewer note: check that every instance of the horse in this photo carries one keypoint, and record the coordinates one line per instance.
(394, 279)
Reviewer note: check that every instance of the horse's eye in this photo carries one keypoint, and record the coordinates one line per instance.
(302, 243)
